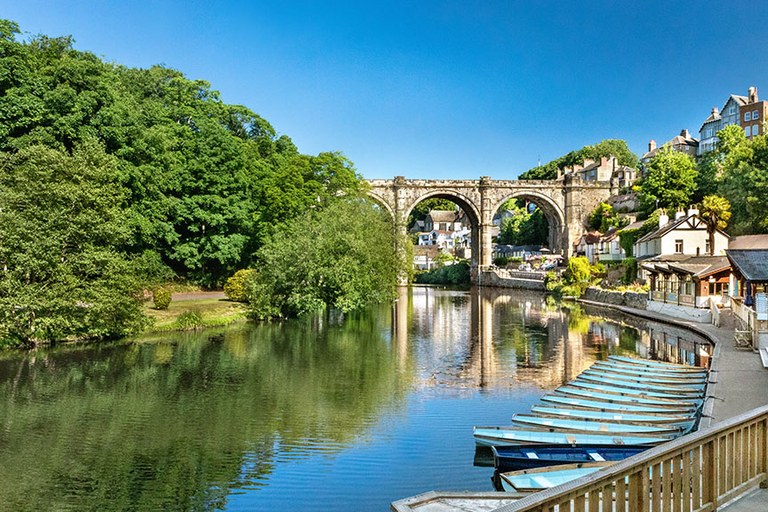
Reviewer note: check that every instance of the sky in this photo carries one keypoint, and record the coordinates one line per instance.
(439, 90)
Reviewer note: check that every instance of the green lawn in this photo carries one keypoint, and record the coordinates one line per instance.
(209, 313)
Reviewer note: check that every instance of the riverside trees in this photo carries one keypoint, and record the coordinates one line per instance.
(126, 175)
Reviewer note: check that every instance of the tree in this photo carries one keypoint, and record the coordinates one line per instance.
(64, 273)
(669, 181)
(744, 167)
(715, 212)
(523, 227)
(341, 257)
(604, 217)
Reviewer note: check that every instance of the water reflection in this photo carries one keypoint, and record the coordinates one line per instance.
(289, 415)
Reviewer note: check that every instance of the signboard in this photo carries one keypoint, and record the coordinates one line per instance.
(761, 306)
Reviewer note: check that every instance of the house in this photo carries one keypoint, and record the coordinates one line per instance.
(719, 119)
(689, 280)
(682, 143)
(443, 220)
(748, 256)
(587, 245)
(609, 248)
(685, 235)
(753, 114)
(447, 230)
(606, 169)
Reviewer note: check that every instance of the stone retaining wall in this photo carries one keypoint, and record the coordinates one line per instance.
(490, 278)
(630, 299)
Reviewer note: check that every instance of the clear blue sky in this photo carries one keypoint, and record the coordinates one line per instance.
(453, 89)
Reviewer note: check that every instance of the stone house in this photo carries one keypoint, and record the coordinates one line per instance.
(719, 119)
(682, 143)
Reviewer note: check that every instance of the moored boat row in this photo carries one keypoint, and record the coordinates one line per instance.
(614, 409)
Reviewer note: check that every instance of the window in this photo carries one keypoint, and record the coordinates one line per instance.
(755, 129)
(746, 131)
(747, 116)
(732, 109)
(706, 247)
(679, 246)
(708, 132)
(755, 115)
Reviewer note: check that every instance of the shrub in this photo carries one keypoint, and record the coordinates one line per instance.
(189, 320)
(161, 298)
(630, 270)
(236, 287)
(449, 274)
(500, 261)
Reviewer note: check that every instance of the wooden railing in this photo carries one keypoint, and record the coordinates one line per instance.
(695, 473)
(715, 312)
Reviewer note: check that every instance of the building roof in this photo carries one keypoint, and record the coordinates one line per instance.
(676, 141)
(663, 230)
(749, 242)
(443, 215)
(696, 266)
(751, 264)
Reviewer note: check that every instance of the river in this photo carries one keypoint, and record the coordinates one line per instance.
(331, 413)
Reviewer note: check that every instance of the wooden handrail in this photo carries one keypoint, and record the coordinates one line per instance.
(697, 471)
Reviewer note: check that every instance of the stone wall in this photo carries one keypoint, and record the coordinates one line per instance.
(490, 278)
(629, 299)
(699, 315)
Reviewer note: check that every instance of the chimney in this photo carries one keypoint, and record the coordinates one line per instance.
(685, 134)
(587, 162)
(692, 210)
(663, 220)
(679, 214)
(752, 94)
(715, 111)
(651, 145)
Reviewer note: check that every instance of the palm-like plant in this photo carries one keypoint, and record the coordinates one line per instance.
(715, 213)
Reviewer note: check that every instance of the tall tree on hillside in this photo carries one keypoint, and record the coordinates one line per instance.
(609, 147)
(745, 179)
(669, 182)
(715, 212)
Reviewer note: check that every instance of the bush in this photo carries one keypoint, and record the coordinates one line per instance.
(189, 320)
(236, 287)
(161, 298)
(449, 274)
(630, 270)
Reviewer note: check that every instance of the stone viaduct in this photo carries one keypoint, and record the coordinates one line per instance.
(565, 202)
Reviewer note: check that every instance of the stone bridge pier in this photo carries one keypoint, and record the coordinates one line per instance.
(565, 202)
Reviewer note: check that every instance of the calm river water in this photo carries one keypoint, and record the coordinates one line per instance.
(328, 413)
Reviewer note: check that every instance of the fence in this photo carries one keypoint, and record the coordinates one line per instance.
(695, 473)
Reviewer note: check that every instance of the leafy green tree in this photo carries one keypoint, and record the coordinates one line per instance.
(523, 227)
(669, 181)
(744, 165)
(604, 217)
(341, 257)
(715, 212)
(64, 273)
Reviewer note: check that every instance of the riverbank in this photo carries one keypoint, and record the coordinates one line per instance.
(195, 310)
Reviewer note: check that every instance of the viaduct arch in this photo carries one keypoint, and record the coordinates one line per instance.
(565, 202)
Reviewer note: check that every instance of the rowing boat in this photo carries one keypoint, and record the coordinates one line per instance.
(515, 436)
(515, 458)
(656, 364)
(639, 368)
(613, 407)
(625, 384)
(579, 425)
(684, 405)
(648, 380)
(616, 417)
(676, 379)
(530, 480)
(617, 390)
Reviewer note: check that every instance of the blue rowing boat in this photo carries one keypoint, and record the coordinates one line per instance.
(618, 390)
(515, 436)
(647, 380)
(657, 364)
(670, 372)
(642, 386)
(677, 379)
(682, 420)
(578, 425)
(613, 407)
(684, 405)
(515, 458)
(531, 480)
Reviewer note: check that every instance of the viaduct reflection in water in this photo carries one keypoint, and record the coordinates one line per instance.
(488, 338)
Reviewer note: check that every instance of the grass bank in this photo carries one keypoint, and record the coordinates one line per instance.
(195, 313)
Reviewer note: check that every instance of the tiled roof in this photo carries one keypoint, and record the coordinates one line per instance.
(749, 242)
(443, 215)
(752, 264)
(697, 266)
(663, 230)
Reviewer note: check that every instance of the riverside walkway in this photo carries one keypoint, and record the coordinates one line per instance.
(739, 384)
